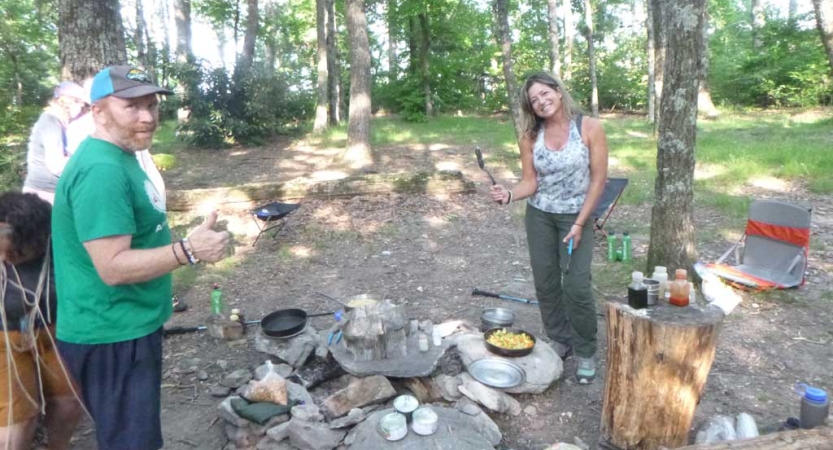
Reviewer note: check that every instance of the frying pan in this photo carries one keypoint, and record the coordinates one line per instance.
(286, 322)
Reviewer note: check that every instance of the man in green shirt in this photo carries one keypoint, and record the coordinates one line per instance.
(113, 258)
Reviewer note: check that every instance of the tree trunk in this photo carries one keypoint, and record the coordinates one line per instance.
(333, 67)
(591, 56)
(824, 22)
(244, 65)
(236, 30)
(91, 37)
(182, 14)
(139, 38)
(758, 21)
(358, 153)
(672, 227)
(320, 123)
(657, 365)
(425, 74)
(392, 62)
(221, 44)
(652, 94)
(705, 105)
(505, 44)
(658, 8)
(413, 47)
(569, 32)
(552, 18)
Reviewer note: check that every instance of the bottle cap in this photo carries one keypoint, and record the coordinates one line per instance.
(216, 286)
(681, 273)
(625, 233)
(815, 395)
(660, 269)
(637, 276)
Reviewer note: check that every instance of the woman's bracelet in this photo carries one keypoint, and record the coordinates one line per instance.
(510, 197)
(188, 252)
(576, 223)
(173, 249)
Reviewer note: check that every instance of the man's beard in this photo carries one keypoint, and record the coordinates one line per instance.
(127, 138)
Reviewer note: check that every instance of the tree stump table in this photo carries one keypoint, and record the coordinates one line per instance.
(658, 360)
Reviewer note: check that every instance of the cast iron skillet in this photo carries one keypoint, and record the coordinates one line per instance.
(506, 351)
(286, 322)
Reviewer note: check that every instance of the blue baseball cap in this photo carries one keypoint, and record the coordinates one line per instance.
(123, 82)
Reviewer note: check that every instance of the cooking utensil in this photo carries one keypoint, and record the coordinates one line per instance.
(510, 352)
(183, 330)
(482, 164)
(346, 307)
(496, 317)
(285, 323)
(476, 291)
(498, 373)
(569, 255)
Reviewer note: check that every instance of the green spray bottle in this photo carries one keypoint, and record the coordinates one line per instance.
(216, 300)
(611, 246)
(627, 247)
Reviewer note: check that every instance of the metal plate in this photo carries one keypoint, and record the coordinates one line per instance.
(498, 373)
(499, 316)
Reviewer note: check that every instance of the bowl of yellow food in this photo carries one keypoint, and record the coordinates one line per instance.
(512, 342)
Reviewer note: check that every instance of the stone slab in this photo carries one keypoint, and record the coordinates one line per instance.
(416, 364)
(542, 367)
(293, 351)
(456, 431)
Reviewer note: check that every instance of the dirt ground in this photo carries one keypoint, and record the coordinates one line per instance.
(428, 252)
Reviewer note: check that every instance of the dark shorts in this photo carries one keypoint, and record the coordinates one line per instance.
(121, 384)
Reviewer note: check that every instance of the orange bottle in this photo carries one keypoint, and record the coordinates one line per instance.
(680, 289)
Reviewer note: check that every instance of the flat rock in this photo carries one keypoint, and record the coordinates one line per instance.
(236, 379)
(220, 391)
(266, 443)
(355, 416)
(298, 393)
(293, 351)
(284, 370)
(542, 367)
(415, 364)
(314, 436)
(493, 399)
(360, 392)
(458, 431)
(448, 386)
(261, 430)
(278, 432)
(309, 413)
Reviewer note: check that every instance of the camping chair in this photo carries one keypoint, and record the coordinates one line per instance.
(776, 243)
(272, 217)
(613, 191)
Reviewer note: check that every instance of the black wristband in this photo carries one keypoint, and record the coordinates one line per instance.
(173, 249)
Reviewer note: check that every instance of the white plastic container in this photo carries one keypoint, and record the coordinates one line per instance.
(661, 275)
(425, 421)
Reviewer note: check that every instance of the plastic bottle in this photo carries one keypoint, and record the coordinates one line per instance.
(611, 246)
(637, 292)
(679, 289)
(815, 407)
(627, 247)
(216, 300)
(661, 275)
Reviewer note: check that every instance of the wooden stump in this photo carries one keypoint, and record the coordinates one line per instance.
(658, 360)
(376, 332)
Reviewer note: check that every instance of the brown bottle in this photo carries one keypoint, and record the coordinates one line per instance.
(680, 289)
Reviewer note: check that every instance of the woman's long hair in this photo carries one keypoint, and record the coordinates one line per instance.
(530, 122)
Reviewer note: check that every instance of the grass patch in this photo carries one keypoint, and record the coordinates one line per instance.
(165, 140)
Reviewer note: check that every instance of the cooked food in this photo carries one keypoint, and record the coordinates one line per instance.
(511, 341)
(359, 302)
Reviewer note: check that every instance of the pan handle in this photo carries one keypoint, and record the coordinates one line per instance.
(322, 314)
(483, 293)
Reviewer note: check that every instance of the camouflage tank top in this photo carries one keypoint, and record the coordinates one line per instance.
(563, 175)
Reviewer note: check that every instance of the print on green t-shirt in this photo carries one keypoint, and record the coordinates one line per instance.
(104, 192)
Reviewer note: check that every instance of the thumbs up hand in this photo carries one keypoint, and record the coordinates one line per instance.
(209, 245)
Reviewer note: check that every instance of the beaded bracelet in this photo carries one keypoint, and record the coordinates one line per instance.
(188, 253)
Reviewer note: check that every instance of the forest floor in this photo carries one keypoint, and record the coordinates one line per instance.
(427, 252)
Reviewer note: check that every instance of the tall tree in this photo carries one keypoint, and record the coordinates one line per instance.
(85, 49)
(591, 56)
(424, 68)
(824, 22)
(182, 16)
(358, 153)
(704, 96)
(552, 20)
(505, 42)
(321, 122)
(413, 45)
(569, 32)
(652, 93)
(659, 21)
(244, 64)
(139, 36)
(333, 67)
(672, 226)
(392, 62)
(758, 20)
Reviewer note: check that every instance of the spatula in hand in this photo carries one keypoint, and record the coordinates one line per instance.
(483, 164)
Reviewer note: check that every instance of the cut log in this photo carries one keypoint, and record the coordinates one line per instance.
(248, 195)
(376, 331)
(815, 439)
(658, 360)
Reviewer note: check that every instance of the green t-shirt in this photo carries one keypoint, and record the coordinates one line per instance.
(104, 192)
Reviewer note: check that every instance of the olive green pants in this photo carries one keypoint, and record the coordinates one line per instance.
(568, 308)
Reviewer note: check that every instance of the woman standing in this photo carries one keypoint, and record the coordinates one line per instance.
(48, 150)
(564, 164)
(32, 377)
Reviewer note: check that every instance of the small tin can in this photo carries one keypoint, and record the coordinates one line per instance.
(393, 426)
(406, 404)
(425, 421)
